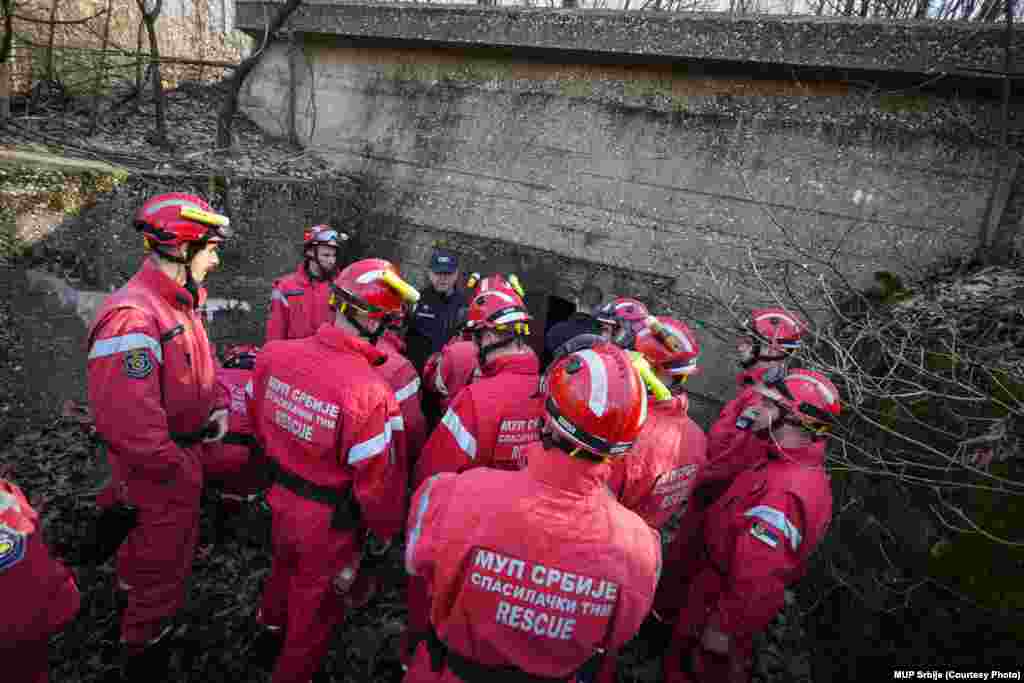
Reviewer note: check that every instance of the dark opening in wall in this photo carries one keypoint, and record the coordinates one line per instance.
(558, 309)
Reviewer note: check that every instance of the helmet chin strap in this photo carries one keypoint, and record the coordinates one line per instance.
(326, 274)
(550, 442)
(485, 350)
(371, 337)
(190, 283)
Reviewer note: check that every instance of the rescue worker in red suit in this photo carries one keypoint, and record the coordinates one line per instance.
(491, 422)
(448, 371)
(656, 479)
(621, 319)
(327, 420)
(400, 374)
(492, 419)
(458, 363)
(770, 337)
(754, 540)
(153, 392)
(38, 592)
(299, 301)
(234, 466)
(544, 570)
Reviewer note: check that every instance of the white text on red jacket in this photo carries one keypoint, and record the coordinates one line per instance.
(299, 411)
(541, 600)
(673, 488)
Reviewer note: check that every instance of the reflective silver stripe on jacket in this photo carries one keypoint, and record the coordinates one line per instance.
(126, 342)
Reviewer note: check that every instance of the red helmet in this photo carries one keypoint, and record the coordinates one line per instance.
(625, 316)
(499, 310)
(240, 356)
(497, 281)
(374, 287)
(595, 399)
(776, 333)
(807, 395)
(177, 218)
(669, 345)
(322, 236)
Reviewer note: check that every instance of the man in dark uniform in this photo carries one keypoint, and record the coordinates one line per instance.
(439, 311)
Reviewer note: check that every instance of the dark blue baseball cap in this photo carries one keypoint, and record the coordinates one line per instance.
(444, 261)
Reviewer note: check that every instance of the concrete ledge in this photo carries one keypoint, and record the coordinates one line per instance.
(815, 42)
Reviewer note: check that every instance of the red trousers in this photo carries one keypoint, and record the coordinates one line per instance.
(29, 663)
(417, 600)
(155, 561)
(301, 595)
(686, 661)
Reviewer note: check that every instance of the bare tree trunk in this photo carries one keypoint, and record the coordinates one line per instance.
(101, 78)
(996, 249)
(49, 45)
(233, 85)
(6, 59)
(150, 17)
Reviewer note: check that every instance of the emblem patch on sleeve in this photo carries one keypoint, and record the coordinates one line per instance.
(137, 364)
(764, 534)
(12, 547)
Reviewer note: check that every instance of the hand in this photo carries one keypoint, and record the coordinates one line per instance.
(715, 641)
(219, 418)
(376, 547)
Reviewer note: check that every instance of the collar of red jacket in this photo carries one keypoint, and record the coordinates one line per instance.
(557, 468)
(391, 342)
(808, 456)
(675, 406)
(155, 279)
(752, 376)
(340, 340)
(524, 363)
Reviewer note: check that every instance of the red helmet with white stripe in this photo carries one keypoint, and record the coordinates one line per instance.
(177, 218)
(499, 310)
(808, 396)
(596, 400)
(775, 334)
(623, 318)
(510, 284)
(670, 346)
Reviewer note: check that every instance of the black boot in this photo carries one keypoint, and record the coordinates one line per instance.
(267, 647)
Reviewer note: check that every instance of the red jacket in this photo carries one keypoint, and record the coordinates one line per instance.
(451, 369)
(402, 377)
(38, 592)
(490, 422)
(299, 305)
(761, 533)
(654, 479)
(540, 570)
(323, 413)
(151, 372)
(228, 458)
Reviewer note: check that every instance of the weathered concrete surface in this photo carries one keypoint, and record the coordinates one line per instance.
(833, 42)
(711, 190)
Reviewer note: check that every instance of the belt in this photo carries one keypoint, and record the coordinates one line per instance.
(237, 439)
(470, 671)
(347, 514)
(187, 439)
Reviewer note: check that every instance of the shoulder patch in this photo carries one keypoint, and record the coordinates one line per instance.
(12, 547)
(763, 533)
(137, 364)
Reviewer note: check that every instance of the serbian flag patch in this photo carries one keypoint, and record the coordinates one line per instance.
(765, 534)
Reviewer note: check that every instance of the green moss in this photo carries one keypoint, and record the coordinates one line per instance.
(902, 104)
(648, 88)
(576, 87)
(471, 71)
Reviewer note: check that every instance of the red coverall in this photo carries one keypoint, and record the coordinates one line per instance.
(324, 415)
(490, 424)
(749, 545)
(401, 376)
(151, 374)
(228, 462)
(450, 369)
(543, 568)
(490, 421)
(298, 305)
(38, 592)
(654, 480)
